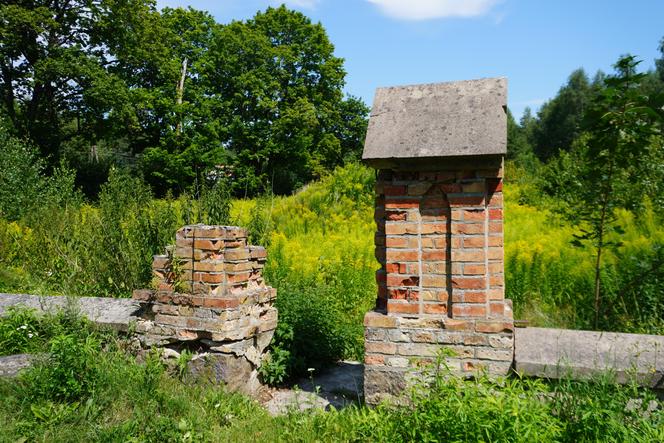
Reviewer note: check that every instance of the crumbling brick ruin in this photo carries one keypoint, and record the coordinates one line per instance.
(439, 212)
(210, 295)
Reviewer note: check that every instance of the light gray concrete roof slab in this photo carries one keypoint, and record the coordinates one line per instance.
(466, 118)
(556, 353)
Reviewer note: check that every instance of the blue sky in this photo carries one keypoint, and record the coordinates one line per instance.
(536, 44)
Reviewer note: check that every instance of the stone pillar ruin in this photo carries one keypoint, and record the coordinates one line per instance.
(439, 150)
(209, 295)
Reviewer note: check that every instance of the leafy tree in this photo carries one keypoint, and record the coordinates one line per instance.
(659, 63)
(623, 136)
(54, 84)
(275, 89)
(559, 120)
(519, 148)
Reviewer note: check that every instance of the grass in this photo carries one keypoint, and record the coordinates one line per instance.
(90, 388)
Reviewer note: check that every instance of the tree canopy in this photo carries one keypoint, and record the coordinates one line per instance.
(176, 94)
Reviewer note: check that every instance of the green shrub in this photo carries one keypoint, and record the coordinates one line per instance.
(69, 373)
(21, 182)
(19, 332)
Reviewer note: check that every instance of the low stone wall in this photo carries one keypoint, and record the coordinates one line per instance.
(115, 313)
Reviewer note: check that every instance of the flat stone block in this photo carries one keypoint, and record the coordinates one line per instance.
(556, 353)
(455, 119)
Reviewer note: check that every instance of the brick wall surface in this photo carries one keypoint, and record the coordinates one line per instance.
(439, 242)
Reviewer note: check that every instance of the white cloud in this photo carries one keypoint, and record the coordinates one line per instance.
(431, 9)
(307, 4)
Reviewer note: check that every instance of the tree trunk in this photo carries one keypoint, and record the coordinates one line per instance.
(180, 93)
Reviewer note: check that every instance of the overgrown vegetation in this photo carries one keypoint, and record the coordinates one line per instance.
(88, 388)
(259, 112)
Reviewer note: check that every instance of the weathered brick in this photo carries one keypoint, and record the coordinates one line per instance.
(397, 362)
(496, 294)
(494, 354)
(495, 214)
(400, 280)
(221, 303)
(401, 203)
(257, 252)
(236, 254)
(473, 269)
(142, 294)
(473, 297)
(419, 188)
(465, 200)
(496, 267)
(433, 228)
(473, 187)
(418, 349)
(494, 326)
(370, 359)
(160, 261)
(450, 188)
(209, 245)
(380, 348)
(375, 334)
(395, 268)
(475, 339)
(496, 227)
(209, 277)
(497, 308)
(496, 200)
(403, 294)
(396, 215)
(496, 280)
(434, 255)
(401, 228)
(394, 190)
(397, 307)
(495, 240)
(495, 253)
(459, 324)
(396, 242)
(501, 342)
(467, 255)
(434, 281)
(435, 294)
(435, 308)
(374, 319)
(469, 310)
(468, 283)
(468, 228)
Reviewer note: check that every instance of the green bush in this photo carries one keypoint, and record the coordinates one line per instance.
(19, 332)
(21, 182)
(69, 373)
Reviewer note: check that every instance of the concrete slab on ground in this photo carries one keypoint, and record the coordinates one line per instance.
(555, 353)
(116, 313)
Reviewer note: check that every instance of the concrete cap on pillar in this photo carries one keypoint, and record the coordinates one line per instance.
(456, 119)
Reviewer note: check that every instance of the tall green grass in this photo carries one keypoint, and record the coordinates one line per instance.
(88, 388)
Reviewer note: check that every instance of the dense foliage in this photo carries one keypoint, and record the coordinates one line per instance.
(118, 83)
(88, 388)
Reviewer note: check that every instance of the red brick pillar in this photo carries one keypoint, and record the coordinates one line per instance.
(439, 239)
